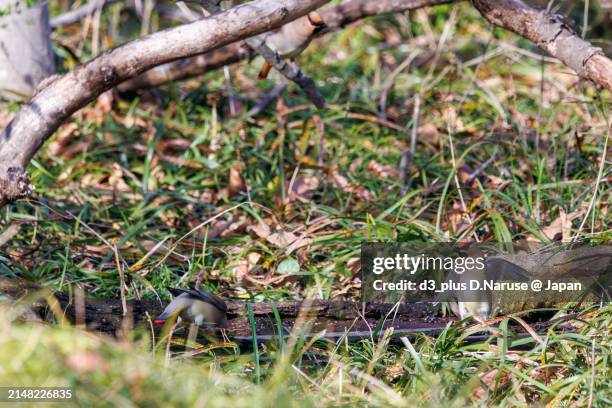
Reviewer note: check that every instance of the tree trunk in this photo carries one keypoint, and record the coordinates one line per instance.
(26, 57)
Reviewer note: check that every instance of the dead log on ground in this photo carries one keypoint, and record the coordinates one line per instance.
(106, 316)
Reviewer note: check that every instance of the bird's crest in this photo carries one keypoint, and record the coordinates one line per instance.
(202, 295)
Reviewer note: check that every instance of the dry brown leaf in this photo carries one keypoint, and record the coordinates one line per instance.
(465, 176)
(303, 188)
(116, 179)
(225, 228)
(95, 114)
(392, 35)
(301, 242)
(105, 182)
(7, 235)
(209, 196)
(281, 239)
(341, 182)
(452, 118)
(383, 170)
(495, 182)
(174, 145)
(242, 267)
(132, 120)
(561, 228)
(457, 218)
(428, 132)
(354, 265)
(65, 134)
(236, 182)
(355, 165)
(487, 383)
(105, 101)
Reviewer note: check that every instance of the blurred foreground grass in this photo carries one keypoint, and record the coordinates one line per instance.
(570, 369)
(509, 146)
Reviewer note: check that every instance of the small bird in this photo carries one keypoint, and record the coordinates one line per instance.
(591, 266)
(291, 39)
(197, 307)
(473, 304)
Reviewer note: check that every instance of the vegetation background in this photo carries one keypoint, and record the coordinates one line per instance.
(184, 186)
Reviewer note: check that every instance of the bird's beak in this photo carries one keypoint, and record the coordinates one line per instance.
(159, 321)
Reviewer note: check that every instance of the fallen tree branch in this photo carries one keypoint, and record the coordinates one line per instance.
(335, 319)
(52, 105)
(332, 320)
(553, 33)
(106, 315)
(267, 99)
(335, 17)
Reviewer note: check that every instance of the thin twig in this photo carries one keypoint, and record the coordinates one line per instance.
(481, 168)
(288, 69)
(602, 163)
(267, 99)
(121, 281)
(76, 15)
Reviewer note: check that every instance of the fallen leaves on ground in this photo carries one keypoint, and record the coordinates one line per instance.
(384, 171)
(561, 228)
(341, 182)
(303, 188)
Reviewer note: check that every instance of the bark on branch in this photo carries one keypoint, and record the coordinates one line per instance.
(553, 33)
(46, 111)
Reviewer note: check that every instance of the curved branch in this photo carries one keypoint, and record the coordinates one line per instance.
(335, 17)
(553, 33)
(187, 67)
(52, 105)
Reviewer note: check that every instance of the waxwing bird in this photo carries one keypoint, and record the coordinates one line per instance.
(590, 266)
(291, 39)
(479, 304)
(196, 307)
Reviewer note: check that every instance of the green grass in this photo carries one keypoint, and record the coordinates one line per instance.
(157, 169)
(570, 368)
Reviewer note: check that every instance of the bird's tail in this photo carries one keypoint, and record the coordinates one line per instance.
(265, 70)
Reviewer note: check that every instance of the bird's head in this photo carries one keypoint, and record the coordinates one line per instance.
(316, 22)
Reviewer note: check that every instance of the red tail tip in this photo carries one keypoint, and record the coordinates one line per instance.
(159, 321)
